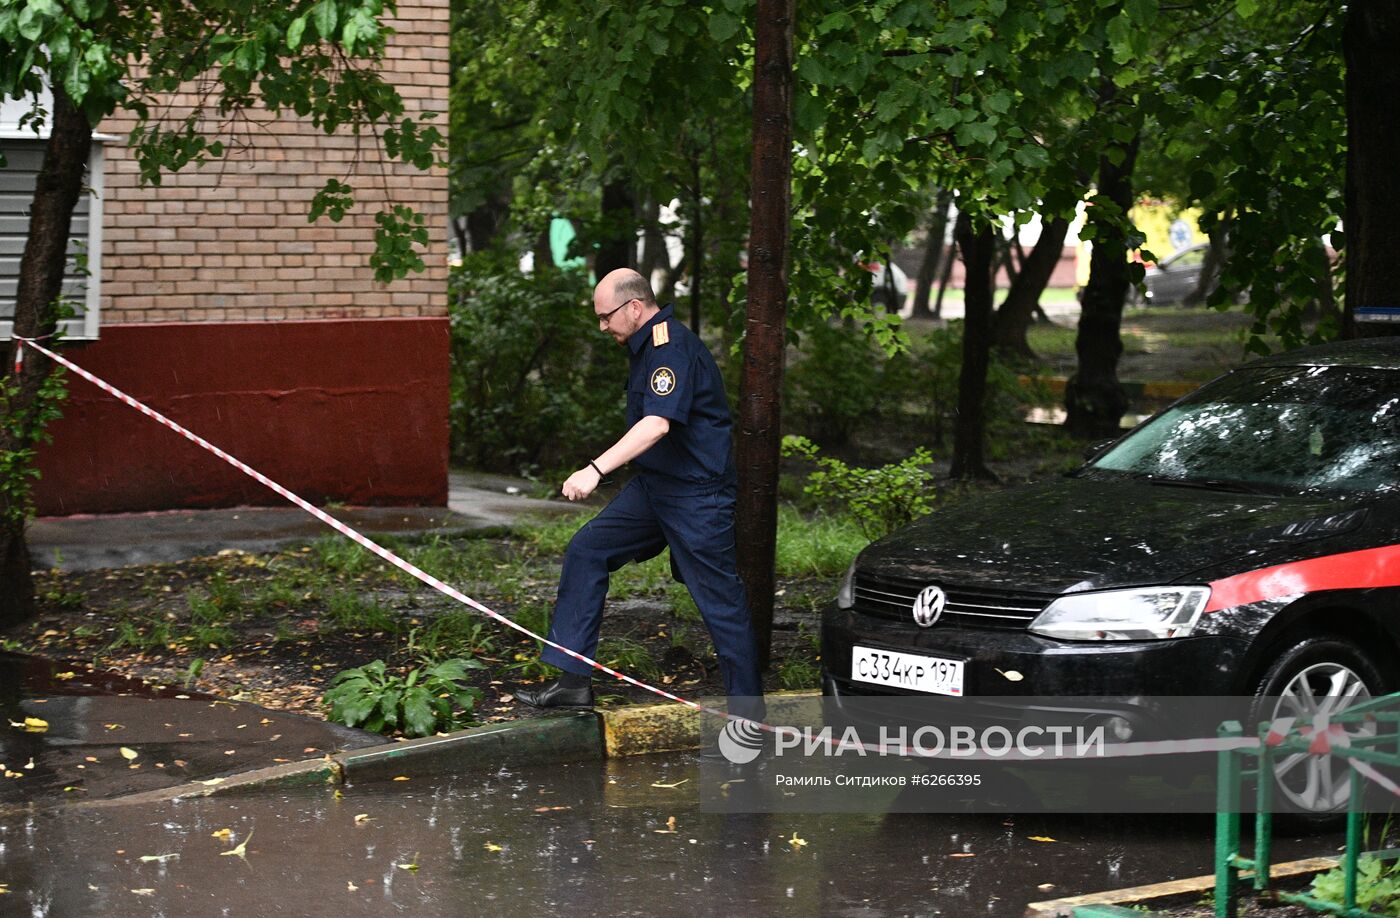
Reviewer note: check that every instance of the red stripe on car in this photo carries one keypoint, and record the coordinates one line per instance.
(1353, 570)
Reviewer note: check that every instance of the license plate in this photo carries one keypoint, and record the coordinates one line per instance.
(935, 675)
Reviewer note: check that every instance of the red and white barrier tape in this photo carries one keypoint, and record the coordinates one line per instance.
(350, 533)
(1327, 737)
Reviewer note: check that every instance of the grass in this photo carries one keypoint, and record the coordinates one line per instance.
(628, 656)
(349, 611)
(1056, 342)
(818, 546)
(457, 633)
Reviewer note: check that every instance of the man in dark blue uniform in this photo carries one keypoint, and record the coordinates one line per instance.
(678, 438)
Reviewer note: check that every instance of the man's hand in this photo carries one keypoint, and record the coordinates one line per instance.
(581, 483)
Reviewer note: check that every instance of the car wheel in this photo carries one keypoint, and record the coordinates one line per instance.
(1314, 675)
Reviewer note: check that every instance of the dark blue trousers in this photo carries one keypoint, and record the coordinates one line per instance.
(647, 516)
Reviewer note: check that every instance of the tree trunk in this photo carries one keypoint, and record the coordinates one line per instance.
(1094, 399)
(56, 192)
(765, 325)
(1371, 46)
(697, 246)
(653, 246)
(485, 221)
(948, 260)
(1014, 317)
(933, 255)
(1213, 262)
(618, 246)
(977, 242)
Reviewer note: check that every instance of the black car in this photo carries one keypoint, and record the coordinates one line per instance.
(1243, 542)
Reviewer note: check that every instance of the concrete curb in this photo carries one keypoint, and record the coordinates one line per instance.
(1163, 391)
(1103, 903)
(574, 736)
(647, 729)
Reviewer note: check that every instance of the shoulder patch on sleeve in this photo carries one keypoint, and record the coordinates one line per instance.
(660, 334)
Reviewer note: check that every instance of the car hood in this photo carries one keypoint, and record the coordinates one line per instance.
(1086, 533)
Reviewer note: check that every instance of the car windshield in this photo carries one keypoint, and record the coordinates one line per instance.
(1275, 429)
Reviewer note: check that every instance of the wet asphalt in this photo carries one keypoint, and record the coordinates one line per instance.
(623, 837)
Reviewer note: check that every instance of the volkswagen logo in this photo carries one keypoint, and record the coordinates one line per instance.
(928, 605)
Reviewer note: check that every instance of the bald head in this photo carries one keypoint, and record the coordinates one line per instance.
(625, 284)
(623, 303)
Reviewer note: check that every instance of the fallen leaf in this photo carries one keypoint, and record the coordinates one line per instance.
(493, 847)
(1045, 886)
(797, 842)
(65, 676)
(143, 892)
(222, 833)
(963, 854)
(241, 850)
(670, 827)
(1040, 838)
(89, 758)
(113, 727)
(33, 725)
(412, 867)
(670, 786)
(402, 778)
(361, 818)
(129, 754)
(148, 858)
(350, 886)
(551, 809)
(211, 782)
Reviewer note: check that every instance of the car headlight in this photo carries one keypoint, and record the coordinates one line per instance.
(846, 595)
(1146, 614)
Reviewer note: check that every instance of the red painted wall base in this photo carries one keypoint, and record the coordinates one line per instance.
(353, 411)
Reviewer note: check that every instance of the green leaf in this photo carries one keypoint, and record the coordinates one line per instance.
(833, 22)
(324, 14)
(723, 26)
(419, 718)
(1246, 8)
(295, 31)
(31, 26)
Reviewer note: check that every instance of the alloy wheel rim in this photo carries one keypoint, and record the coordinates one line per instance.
(1318, 783)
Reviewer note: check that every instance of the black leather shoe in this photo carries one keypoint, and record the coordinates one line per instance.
(554, 695)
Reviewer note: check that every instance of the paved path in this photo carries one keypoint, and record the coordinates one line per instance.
(78, 543)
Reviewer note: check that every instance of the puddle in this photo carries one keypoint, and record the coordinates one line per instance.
(622, 837)
(94, 735)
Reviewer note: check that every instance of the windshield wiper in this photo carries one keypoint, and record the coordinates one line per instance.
(1206, 484)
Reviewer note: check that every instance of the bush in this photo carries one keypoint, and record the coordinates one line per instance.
(835, 385)
(1377, 886)
(927, 375)
(534, 384)
(422, 702)
(879, 499)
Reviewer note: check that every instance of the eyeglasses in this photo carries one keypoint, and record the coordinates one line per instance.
(606, 317)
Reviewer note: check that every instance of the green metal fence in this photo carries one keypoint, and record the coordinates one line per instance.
(1372, 737)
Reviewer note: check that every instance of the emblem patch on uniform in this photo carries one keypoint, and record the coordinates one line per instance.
(660, 334)
(663, 381)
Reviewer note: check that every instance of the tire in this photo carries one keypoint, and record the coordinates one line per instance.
(1306, 675)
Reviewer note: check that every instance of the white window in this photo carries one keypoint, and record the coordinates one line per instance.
(24, 152)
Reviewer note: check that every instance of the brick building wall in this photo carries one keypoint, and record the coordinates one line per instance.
(230, 241)
(224, 308)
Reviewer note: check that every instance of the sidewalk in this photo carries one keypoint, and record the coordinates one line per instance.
(94, 735)
(80, 543)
